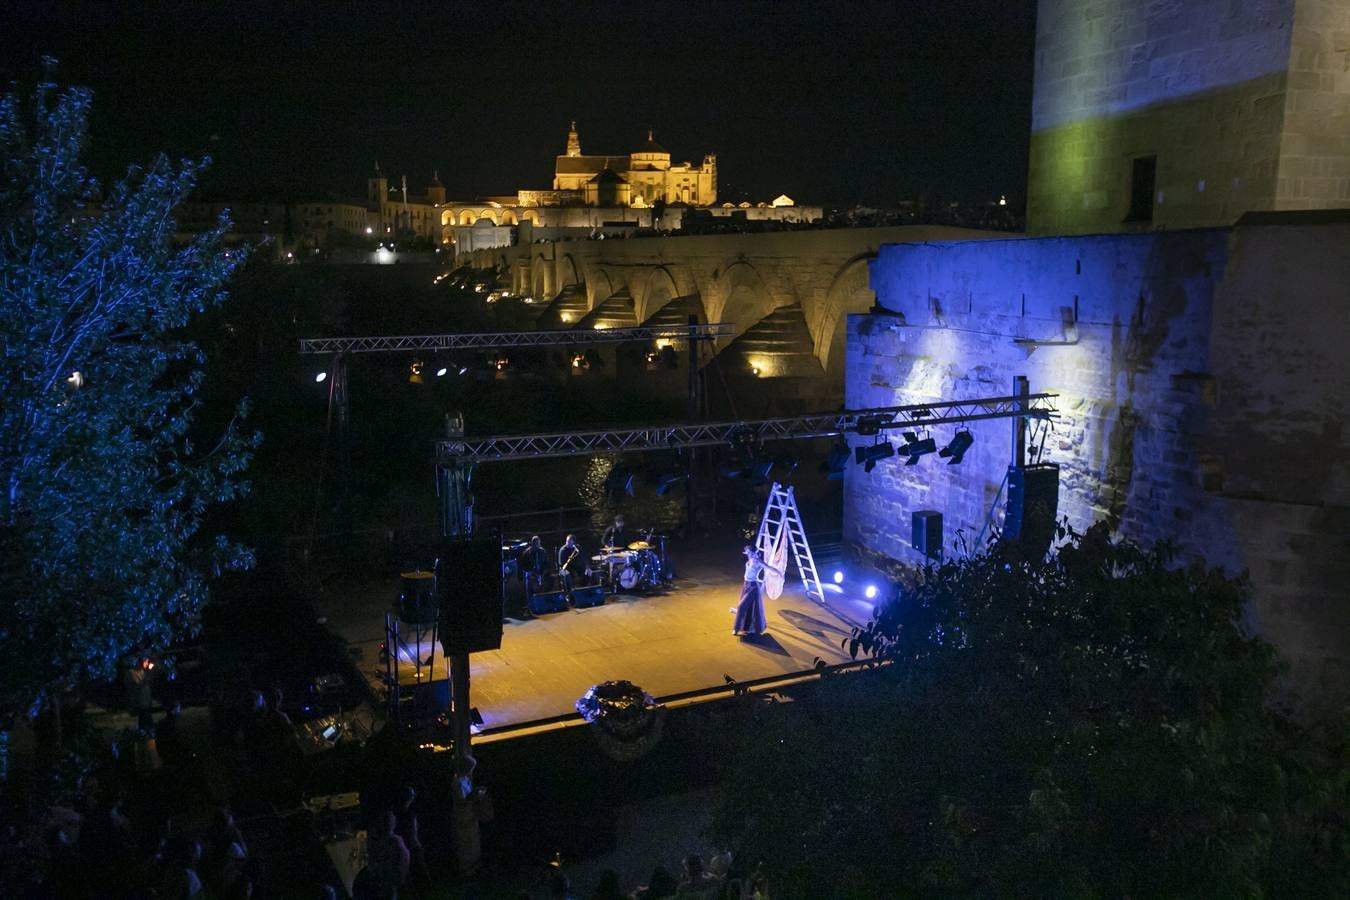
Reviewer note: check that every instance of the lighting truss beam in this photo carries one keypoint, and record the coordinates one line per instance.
(501, 448)
(495, 339)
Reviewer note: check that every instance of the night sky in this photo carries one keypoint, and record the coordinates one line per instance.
(829, 102)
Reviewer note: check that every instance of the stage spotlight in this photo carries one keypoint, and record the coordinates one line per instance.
(440, 373)
(666, 482)
(870, 426)
(871, 592)
(415, 372)
(868, 454)
(838, 576)
(956, 450)
(319, 377)
(913, 447)
(463, 370)
(838, 461)
(619, 482)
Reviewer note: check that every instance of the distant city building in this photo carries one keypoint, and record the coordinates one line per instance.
(591, 197)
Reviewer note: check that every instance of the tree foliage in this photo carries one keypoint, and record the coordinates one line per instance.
(1093, 726)
(104, 481)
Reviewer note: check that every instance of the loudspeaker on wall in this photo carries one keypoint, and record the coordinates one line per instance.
(470, 580)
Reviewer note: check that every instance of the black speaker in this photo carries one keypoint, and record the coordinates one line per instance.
(927, 530)
(588, 596)
(417, 601)
(544, 602)
(471, 595)
(1033, 505)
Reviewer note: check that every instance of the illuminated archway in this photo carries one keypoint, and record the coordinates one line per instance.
(467, 217)
(531, 216)
(489, 215)
(660, 289)
(507, 218)
(568, 272)
(741, 298)
(541, 279)
(599, 288)
(850, 292)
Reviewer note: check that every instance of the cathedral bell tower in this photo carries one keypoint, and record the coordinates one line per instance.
(377, 188)
(573, 142)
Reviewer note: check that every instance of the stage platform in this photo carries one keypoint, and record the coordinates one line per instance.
(669, 642)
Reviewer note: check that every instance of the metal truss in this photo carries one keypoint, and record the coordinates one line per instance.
(501, 448)
(490, 340)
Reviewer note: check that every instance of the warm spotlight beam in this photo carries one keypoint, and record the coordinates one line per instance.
(667, 437)
(479, 340)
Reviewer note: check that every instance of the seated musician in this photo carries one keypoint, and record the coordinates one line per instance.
(571, 565)
(613, 536)
(533, 565)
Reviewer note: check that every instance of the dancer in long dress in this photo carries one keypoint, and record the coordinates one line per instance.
(750, 612)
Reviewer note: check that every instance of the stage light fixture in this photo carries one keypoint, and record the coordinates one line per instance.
(871, 592)
(956, 450)
(870, 426)
(869, 454)
(838, 461)
(914, 447)
(319, 377)
(463, 370)
(619, 482)
(440, 373)
(838, 576)
(415, 372)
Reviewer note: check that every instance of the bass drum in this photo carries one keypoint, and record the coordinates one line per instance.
(630, 576)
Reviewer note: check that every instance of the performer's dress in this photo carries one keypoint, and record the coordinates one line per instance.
(750, 612)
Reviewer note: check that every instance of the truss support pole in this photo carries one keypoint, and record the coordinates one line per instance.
(1021, 390)
(342, 402)
(693, 406)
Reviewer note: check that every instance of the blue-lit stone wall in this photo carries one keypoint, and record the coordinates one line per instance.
(1202, 398)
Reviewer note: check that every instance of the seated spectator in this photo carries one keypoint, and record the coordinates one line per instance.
(695, 881)
(408, 830)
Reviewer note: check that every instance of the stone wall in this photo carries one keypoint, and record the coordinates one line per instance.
(1314, 171)
(1200, 84)
(1201, 397)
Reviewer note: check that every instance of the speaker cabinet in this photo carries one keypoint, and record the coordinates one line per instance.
(471, 595)
(1033, 505)
(927, 530)
(588, 596)
(544, 602)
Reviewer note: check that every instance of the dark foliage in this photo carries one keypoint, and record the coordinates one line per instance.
(1092, 726)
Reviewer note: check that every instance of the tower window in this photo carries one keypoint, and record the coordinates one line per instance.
(1143, 177)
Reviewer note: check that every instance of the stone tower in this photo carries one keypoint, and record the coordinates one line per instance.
(1187, 113)
(573, 142)
(436, 190)
(377, 188)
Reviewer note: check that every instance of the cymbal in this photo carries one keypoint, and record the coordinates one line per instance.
(610, 547)
(639, 545)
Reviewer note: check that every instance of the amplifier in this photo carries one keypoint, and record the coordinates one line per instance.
(547, 602)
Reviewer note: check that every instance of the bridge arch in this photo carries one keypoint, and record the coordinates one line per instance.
(541, 279)
(568, 273)
(850, 292)
(742, 297)
(660, 288)
(599, 287)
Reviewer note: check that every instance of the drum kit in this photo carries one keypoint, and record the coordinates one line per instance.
(640, 566)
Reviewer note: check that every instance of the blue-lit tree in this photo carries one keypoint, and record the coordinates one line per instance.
(104, 480)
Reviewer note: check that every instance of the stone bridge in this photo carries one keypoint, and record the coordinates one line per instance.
(789, 293)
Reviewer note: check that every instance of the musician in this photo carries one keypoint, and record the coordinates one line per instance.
(614, 535)
(571, 564)
(533, 563)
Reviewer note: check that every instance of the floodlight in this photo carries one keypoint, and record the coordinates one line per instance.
(415, 372)
(440, 373)
(914, 447)
(838, 576)
(956, 450)
(838, 461)
(319, 377)
(869, 454)
(871, 592)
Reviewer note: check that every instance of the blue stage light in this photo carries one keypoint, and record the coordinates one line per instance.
(318, 379)
(871, 592)
(838, 577)
(440, 373)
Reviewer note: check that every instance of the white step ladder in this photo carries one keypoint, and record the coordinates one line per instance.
(780, 512)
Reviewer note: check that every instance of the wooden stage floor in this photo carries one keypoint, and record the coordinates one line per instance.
(667, 642)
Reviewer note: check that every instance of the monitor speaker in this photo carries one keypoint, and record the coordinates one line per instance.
(583, 597)
(471, 595)
(1033, 505)
(544, 602)
(927, 531)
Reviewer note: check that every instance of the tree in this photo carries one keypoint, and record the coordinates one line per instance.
(1092, 726)
(106, 478)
